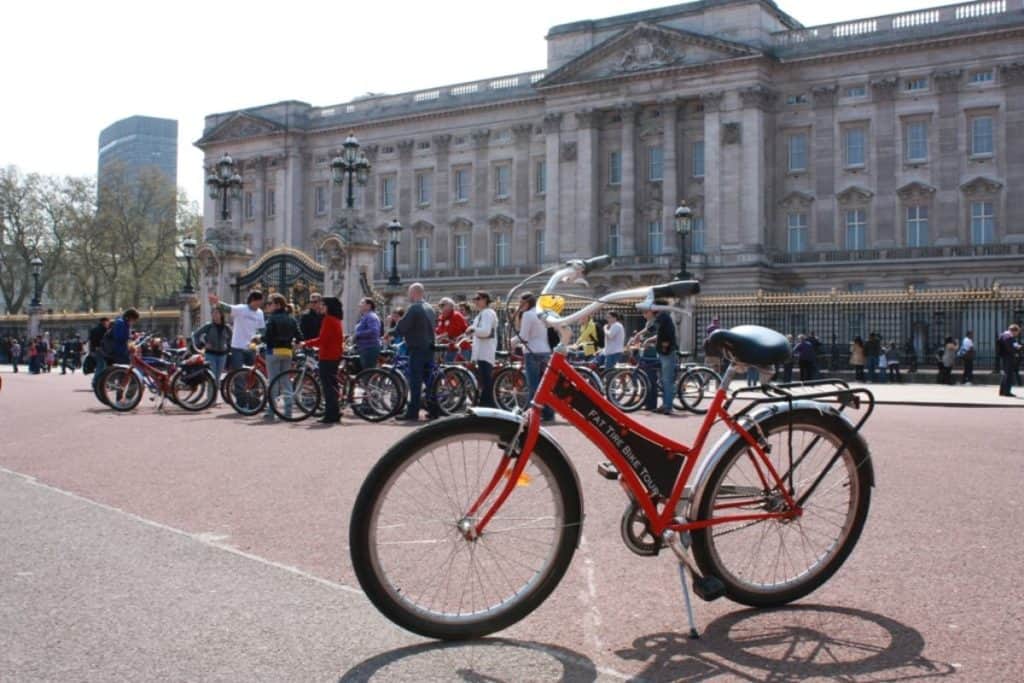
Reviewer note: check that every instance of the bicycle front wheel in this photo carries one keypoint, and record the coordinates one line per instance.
(765, 563)
(416, 565)
(626, 388)
(121, 388)
(690, 392)
(376, 394)
(453, 389)
(510, 390)
(246, 390)
(294, 395)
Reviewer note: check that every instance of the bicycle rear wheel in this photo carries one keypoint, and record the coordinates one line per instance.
(453, 389)
(376, 394)
(709, 382)
(510, 389)
(193, 393)
(421, 571)
(294, 395)
(690, 392)
(626, 388)
(246, 390)
(764, 563)
(121, 388)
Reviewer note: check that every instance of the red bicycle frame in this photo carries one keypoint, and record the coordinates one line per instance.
(645, 459)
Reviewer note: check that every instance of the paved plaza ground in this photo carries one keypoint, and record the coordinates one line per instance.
(178, 546)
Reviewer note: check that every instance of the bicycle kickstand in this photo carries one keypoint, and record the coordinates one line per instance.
(689, 604)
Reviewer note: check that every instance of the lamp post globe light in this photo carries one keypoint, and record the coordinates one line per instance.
(350, 166)
(225, 184)
(37, 270)
(188, 249)
(683, 224)
(395, 228)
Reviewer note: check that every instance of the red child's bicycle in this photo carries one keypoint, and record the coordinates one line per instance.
(466, 525)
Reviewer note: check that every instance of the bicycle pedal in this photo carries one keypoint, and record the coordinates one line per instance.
(708, 588)
(608, 471)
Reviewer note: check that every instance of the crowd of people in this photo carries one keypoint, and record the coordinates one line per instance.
(41, 354)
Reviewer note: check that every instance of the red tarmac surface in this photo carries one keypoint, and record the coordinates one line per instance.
(932, 590)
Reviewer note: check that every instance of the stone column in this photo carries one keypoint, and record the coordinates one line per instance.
(290, 203)
(441, 200)
(522, 134)
(887, 154)
(552, 144)
(1011, 222)
(822, 151)
(370, 190)
(670, 173)
(405, 180)
(945, 221)
(713, 227)
(257, 166)
(587, 175)
(627, 190)
(481, 240)
(756, 101)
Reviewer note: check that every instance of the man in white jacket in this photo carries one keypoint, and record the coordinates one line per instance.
(484, 331)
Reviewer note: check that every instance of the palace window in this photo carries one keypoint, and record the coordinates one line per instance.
(320, 200)
(698, 159)
(985, 76)
(797, 143)
(699, 235)
(540, 177)
(983, 222)
(271, 204)
(916, 84)
(422, 253)
(461, 184)
(655, 238)
(856, 91)
(915, 145)
(614, 168)
(917, 226)
(462, 251)
(655, 163)
(854, 146)
(856, 229)
(387, 192)
(797, 232)
(248, 206)
(501, 249)
(613, 239)
(981, 136)
(424, 188)
(502, 183)
(796, 99)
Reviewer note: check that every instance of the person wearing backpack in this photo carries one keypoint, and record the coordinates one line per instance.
(96, 348)
(115, 341)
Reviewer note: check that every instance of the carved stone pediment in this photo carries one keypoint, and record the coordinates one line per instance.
(915, 192)
(796, 200)
(611, 212)
(352, 232)
(422, 227)
(460, 224)
(238, 126)
(981, 185)
(646, 47)
(500, 221)
(855, 194)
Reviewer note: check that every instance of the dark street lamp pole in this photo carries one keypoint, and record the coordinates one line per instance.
(683, 225)
(37, 270)
(224, 183)
(188, 248)
(351, 167)
(395, 228)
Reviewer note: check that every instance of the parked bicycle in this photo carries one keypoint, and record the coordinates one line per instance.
(187, 382)
(765, 518)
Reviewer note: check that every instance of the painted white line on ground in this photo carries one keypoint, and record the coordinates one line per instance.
(208, 539)
(592, 615)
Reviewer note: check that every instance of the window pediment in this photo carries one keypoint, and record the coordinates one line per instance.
(460, 224)
(500, 221)
(422, 227)
(855, 195)
(915, 192)
(981, 185)
(796, 200)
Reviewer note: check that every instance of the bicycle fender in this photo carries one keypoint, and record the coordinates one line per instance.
(726, 441)
(544, 434)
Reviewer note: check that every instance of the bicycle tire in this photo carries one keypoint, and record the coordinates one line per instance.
(97, 387)
(509, 391)
(305, 391)
(453, 389)
(710, 382)
(376, 395)
(690, 392)
(122, 389)
(593, 379)
(199, 397)
(550, 483)
(246, 390)
(845, 492)
(626, 388)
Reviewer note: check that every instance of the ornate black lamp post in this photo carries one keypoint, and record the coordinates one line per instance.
(224, 183)
(683, 226)
(395, 228)
(351, 166)
(188, 249)
(37, 270)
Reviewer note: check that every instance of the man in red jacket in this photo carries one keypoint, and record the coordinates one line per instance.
(331, 343)
(451, 325)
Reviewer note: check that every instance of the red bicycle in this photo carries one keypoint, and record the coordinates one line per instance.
(465, 526)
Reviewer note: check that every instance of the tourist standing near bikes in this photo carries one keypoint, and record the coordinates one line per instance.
(280, 335)
(534, 335)
(214, 338)
(587, 341)
(313, 318)
(120, 334)
(451, 325)
(246, 320)
(96, 348)
(485, 345)
(368, 333)
(614, 340)
(1007, 348)
(668, 348)
(331, 345)
(417, 329)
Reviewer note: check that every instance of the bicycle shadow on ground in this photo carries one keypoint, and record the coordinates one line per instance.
(476, 661)
(792, 643)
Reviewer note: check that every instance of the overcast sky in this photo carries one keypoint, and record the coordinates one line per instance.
(72, 68)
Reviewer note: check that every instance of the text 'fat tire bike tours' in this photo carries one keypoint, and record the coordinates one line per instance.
(466, 525)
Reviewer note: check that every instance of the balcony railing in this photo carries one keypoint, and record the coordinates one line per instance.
(906, 21)
(898, 253)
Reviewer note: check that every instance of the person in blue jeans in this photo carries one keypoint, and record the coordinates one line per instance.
(417, 329)
(534, 335)
(668, 348)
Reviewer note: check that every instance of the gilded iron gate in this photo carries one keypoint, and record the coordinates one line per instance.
(285, 270)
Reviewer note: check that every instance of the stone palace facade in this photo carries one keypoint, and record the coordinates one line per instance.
(878, 153)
